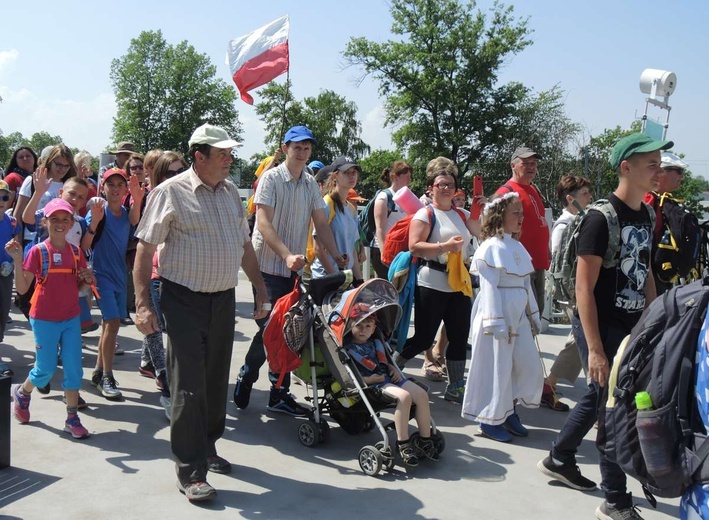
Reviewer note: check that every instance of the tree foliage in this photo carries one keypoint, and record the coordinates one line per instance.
(330, 116)
(11, 142)
(163, 92)
(440, 78)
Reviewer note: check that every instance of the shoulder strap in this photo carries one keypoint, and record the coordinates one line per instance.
(331, 205)
(46, 261)
(608, 211)
(508, 187)
(390, 200)
(431, 220)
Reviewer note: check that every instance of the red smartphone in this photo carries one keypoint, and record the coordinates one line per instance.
(475, 208)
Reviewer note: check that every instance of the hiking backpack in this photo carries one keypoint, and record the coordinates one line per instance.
(366, 217)
(676, 254)
(563, 263)
(659, 357)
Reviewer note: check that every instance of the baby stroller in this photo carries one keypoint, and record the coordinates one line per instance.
(327, 366)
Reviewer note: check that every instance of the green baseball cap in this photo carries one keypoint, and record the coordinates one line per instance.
(636, 143)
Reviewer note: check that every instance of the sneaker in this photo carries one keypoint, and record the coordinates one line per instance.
(515, 427)
(147, 370)
(495, 432)
(568, 474)
(119, 351)
(551, 400)
(427, 448)
(608, 512)
(96, 376)
(217, 464)
(283, 402)
(165, 402)
(21, 405)
(197, 491)
(408, 454)
(454, 393)
(82, 403)
(44, 389)
(109, 388)
(89, 328)
(242, 393)
(73, 425)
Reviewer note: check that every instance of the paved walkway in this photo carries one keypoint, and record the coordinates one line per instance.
(124, 470)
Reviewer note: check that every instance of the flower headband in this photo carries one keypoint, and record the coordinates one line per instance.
(498, 200)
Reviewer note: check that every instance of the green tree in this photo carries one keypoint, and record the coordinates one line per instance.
(11, 142)
(372, 167)
(330, 116)
(439, 78)
(163, 92)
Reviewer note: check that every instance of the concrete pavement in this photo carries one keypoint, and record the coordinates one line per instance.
(124, 469)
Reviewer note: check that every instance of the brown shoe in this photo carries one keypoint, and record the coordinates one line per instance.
(551, 401)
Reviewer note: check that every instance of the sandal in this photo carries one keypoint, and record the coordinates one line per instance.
(441, 364)
(432, 372)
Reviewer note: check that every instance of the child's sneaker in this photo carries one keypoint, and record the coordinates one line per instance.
(73, 425)
(427, 448)
(109, 387)
(408, 453)
(21, 405)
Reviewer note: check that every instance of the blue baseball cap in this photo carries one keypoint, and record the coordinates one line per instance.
(316, 165)
(299, 133)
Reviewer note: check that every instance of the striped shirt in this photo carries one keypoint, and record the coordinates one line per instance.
(293, 202)
(203, 231)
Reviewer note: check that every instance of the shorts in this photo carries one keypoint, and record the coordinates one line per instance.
(112, 302)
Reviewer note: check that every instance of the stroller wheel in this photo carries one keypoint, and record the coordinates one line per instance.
(308, 433)
(370, 460)
(324, 432)
(439, 441)
(387, 457)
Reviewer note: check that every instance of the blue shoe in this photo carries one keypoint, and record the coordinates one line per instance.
(496, 433)
(282, 402)
(514, 426)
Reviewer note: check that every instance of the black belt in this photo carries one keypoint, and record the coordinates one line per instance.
(437, 266)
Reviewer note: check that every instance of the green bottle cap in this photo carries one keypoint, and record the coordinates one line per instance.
(643, 401)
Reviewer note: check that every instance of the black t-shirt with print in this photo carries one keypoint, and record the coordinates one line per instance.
(619, 291)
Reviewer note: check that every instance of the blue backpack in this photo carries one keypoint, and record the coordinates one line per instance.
(366, 218)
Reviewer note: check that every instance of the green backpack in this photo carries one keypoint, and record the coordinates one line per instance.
(366, 219)
(563, 263)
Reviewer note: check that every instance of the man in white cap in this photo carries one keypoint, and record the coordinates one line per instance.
(198, 217)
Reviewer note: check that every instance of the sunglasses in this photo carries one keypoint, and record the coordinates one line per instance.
(4, 198)
(171, 173)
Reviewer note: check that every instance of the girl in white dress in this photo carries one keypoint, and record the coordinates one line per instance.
(505, 368)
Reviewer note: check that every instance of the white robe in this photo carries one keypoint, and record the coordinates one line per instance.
(508, 369)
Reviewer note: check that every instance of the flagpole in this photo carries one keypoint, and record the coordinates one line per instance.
(285, 102)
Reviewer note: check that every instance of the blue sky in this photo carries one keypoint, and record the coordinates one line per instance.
(55, 59)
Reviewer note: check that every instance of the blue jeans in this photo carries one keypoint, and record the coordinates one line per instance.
(256, 356)
(582, 418)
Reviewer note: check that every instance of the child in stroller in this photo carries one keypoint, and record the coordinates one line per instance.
(370, 357)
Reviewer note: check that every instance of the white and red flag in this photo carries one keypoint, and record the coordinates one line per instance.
(258, 57)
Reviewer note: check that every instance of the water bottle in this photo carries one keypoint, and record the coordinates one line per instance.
(654, 439)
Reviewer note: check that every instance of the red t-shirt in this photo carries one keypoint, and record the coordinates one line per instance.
(535, 230)
(59, 296)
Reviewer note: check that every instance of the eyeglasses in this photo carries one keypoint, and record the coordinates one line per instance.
(4, 198)
(136, 167)
(444, 186)
(60, 165)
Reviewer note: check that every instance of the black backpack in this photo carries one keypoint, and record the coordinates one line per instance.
(658, 357)
(366, 217)
(676, 254)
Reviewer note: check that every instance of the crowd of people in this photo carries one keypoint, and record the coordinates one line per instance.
(165, 238)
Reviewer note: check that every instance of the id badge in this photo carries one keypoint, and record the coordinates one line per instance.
(57, 258)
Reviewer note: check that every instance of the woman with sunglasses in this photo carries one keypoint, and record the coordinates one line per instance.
(152, 357)
(435, 299)
(21, 166)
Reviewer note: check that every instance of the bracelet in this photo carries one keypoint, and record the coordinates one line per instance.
(440, 248)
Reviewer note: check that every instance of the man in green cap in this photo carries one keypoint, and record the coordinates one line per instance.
(611, 297)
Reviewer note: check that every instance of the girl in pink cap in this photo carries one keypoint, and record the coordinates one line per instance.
(60, 270)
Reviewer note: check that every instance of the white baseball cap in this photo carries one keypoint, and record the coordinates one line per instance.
(213, 136)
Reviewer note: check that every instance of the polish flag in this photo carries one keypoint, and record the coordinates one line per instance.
(258, 57)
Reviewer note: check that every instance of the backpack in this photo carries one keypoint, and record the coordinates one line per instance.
(310, 246)
(659, 357)
(676, 254)
(366, 217)
(563, 265)
(397, 238)
(281, 359)
(49, 268)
